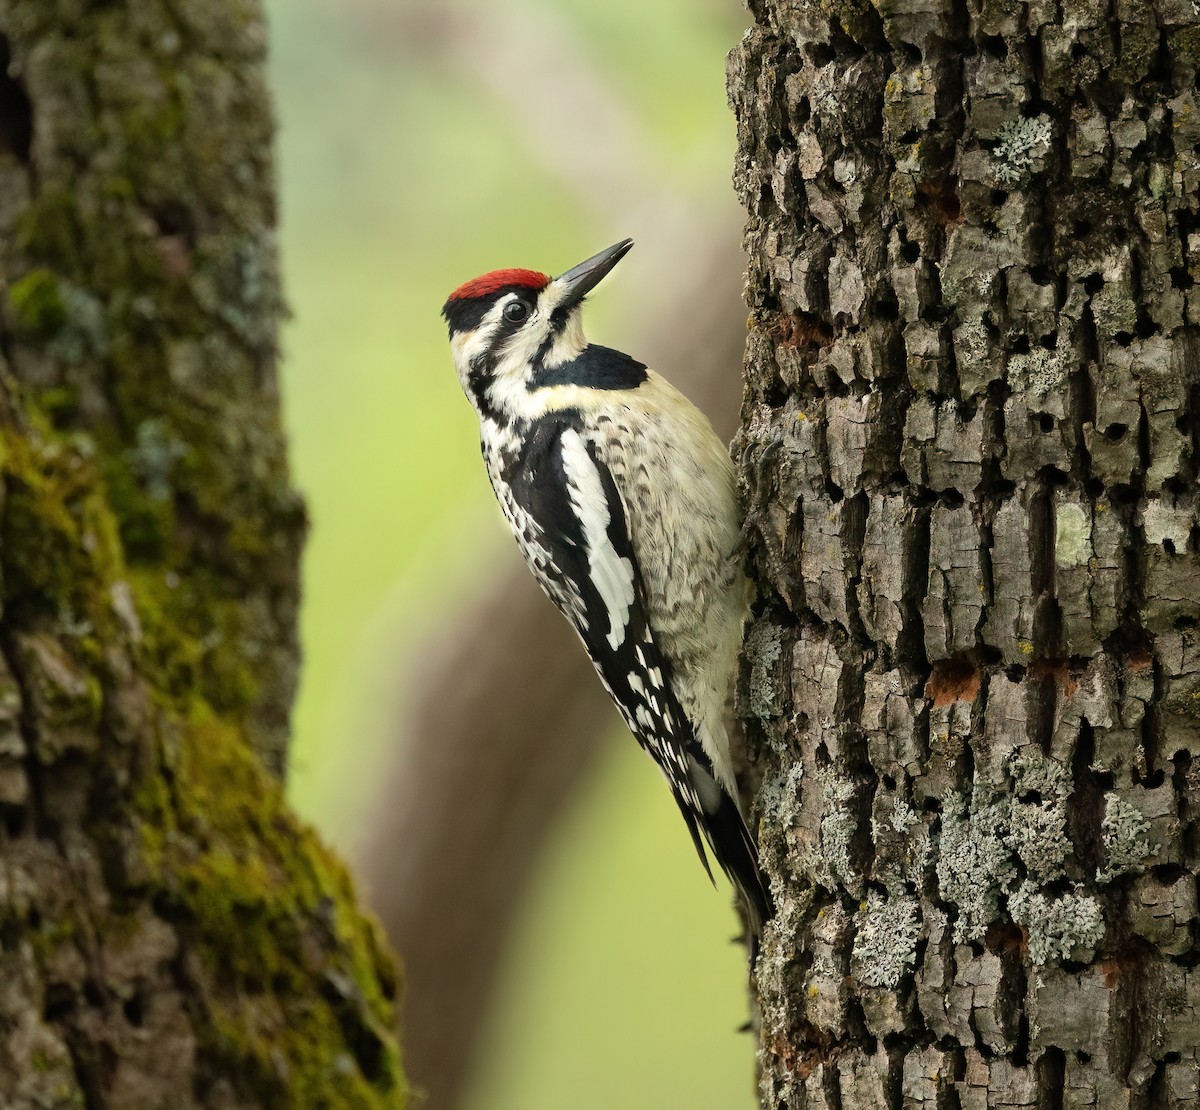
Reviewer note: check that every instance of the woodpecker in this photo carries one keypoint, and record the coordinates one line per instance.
(622, 500)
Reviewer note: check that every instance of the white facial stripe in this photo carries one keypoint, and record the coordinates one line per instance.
(568, 343)
(611, 574)
(508, 391)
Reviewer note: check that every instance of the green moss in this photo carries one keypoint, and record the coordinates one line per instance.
(35, 305)
(1185, 45)
(223, 849)
(140, 259)
(192, 635)
(60, 404)
(49, 230)
(59, 538)
(295, 987)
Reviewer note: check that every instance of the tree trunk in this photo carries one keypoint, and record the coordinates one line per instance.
(970, 448)
(170, 935)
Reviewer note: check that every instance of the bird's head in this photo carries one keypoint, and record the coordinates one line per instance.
(510, 328)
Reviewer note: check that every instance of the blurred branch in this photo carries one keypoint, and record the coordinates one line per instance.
(506, 714)
(506, 719)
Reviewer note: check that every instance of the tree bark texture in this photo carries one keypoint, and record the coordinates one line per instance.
(970, 448)
(170, 935)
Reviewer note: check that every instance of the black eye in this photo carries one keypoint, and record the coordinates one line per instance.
(515, 312)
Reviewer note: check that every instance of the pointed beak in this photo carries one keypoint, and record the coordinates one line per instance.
(580, 280)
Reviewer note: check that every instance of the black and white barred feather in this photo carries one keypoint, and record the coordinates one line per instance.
(622, 501)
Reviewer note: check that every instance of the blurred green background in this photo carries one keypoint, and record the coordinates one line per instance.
(414, 154)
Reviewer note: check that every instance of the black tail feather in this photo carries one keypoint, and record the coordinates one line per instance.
(735, 851)
(737, 854)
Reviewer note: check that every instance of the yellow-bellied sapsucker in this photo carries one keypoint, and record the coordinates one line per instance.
(623, 502)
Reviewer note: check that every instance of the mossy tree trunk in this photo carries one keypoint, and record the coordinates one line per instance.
(169, 934)
(970, 449)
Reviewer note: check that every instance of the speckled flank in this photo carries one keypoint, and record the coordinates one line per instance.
(970, 448)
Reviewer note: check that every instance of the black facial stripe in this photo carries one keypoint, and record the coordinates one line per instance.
(479, 377)
(595, 367)
(467, 313)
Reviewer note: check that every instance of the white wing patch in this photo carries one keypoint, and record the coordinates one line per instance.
(611, 574)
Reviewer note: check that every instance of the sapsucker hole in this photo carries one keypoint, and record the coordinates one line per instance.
(910, 251)
(994, 46)
(1046, 422)
(819, 53)
(134, 1010)
(887, 307)
(16, 112)
(1115, 433)
(58, 1002)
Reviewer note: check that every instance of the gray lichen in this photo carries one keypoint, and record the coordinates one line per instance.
(1022, 143)
(975, 865)
(1038, 818)
(1067, 927)
(913, 861)
(982, 842)
(780, 797)
(764, 647)
(885, 939)
(1123, 834)
(833, 862)
(1042, 376)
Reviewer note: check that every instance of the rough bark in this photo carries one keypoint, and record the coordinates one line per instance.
(169, 934)
(970, 449)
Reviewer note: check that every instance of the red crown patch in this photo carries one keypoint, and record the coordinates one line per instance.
(498, 279)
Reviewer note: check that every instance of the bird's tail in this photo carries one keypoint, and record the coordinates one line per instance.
(737, 854)
(724, 829)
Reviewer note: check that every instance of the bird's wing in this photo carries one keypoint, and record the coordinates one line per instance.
(564, 488)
